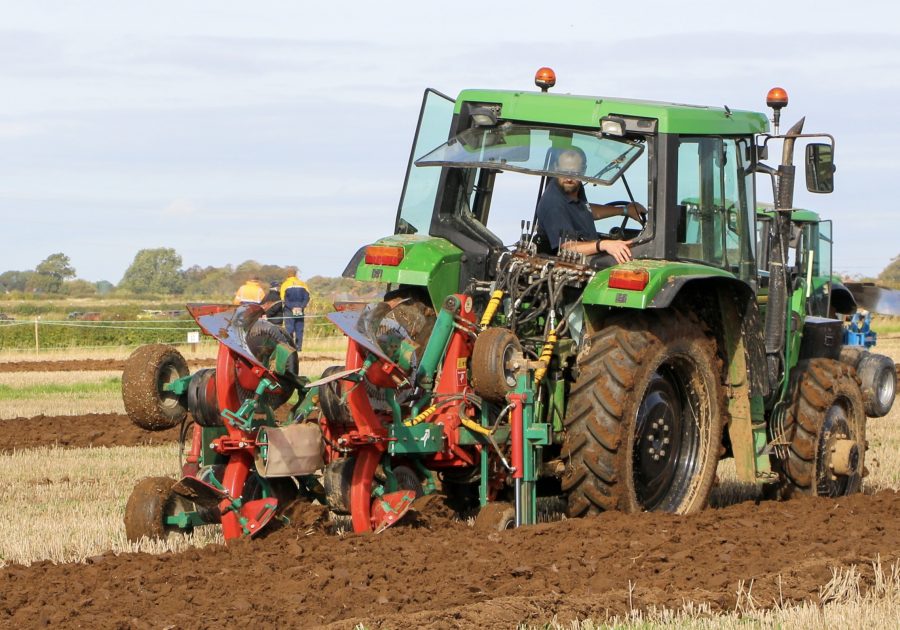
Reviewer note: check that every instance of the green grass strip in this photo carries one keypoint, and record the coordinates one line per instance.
(109, 385)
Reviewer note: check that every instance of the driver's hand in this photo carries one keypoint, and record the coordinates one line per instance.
(620, 250)
(636, 211)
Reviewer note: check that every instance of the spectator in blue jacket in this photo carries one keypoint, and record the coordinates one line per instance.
(295, 297)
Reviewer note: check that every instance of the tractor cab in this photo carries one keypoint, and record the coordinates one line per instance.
(490, 159)
(481, 162)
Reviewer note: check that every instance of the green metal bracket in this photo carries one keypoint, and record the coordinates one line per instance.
(178, 387)
(185, 520)
(307, 404)
(437, 343)
(208, 456)
(430, 486)
(283, 353)
(244, 419)
(422, 439)
(760, 440)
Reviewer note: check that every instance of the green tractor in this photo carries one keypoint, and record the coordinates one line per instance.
(516, 373)
(716, 340)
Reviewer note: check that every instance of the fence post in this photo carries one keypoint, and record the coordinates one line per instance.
(37, 336)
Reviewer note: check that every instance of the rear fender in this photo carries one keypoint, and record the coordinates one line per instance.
(429, 262)
(666, 280)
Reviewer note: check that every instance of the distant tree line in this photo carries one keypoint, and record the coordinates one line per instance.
(890, 276)
(158, 272)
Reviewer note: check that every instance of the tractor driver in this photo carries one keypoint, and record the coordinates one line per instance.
(564, 211)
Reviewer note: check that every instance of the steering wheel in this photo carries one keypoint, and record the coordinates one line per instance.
(624, 204)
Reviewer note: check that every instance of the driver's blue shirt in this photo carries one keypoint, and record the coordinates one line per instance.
(562, 218)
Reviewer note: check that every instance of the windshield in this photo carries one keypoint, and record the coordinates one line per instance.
(534, 150)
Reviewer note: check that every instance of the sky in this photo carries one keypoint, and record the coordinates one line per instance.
(280, 131)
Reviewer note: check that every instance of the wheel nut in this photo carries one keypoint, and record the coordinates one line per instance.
(662, 453)
(656, 458)
(666, 440)
(651, 450)
(651, 437)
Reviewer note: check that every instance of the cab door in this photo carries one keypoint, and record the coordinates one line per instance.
(420, 188)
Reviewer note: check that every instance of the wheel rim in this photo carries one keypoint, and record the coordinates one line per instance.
(885, 388)
(509, 374)
(168, 375)
(667, 440)
(835, 427)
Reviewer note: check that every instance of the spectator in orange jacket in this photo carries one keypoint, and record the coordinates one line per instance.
(251, 292)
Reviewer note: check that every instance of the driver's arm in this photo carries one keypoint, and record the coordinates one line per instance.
(634, 210)
(619, 250)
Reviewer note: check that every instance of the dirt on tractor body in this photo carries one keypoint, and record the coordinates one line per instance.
(449, 575)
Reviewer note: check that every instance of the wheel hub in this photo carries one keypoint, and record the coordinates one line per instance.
(838, 455)
(886, 386)
(844, 458)
(658, 458)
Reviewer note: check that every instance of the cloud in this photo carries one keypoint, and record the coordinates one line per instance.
(181, 208)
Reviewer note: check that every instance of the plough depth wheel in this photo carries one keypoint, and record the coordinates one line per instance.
(147, 371)
(151, 502)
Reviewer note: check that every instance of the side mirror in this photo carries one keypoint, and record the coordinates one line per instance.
(819, 168)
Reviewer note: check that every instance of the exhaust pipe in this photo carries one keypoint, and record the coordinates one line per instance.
(776, 312)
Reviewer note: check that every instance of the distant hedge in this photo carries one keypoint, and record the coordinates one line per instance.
(20, 334)
(55, 335)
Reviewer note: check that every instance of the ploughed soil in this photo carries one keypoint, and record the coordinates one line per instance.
(83, 365)
(436, 573)
(88, 365)
(95, 429)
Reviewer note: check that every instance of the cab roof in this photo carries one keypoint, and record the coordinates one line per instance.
(586, 111)
(801, 215)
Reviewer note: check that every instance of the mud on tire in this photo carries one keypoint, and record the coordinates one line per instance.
(878, 381)
(147, 370)
(151, 501)
(643, 427)
(827, 406)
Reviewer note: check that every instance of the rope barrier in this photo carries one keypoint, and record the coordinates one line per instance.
(116, 324)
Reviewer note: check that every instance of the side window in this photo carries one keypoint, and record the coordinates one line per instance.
(420, 188)
(822, 262)
(715, 215)
(763, 227)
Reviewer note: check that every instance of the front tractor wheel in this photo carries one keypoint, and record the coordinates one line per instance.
(826, 430)
(643, 427)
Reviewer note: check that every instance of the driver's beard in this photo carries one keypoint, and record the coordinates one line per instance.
(569, 186)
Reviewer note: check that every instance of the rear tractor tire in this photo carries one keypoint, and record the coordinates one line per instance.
(826, 429)
(643, 427)
(150, 503)
(147, 371)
